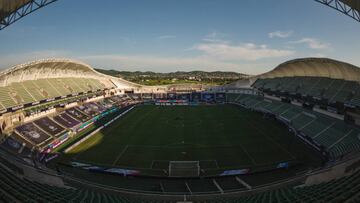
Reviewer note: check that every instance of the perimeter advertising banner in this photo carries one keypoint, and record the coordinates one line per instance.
(100, 169)
(208, 97)
(235, 172)
(171, 102)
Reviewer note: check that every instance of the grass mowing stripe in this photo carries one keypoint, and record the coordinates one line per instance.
(232, 136)
(272, 140)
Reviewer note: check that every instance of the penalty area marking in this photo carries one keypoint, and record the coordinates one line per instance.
(120, 155)
(200, 161)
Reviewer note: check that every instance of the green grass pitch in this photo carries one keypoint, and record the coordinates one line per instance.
(219, 136)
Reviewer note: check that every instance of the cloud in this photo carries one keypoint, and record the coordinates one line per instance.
(139, 62)
(280, 34)
(169, 64)
(248, 52)
(167, 37)
(215, 37)
(312, 43)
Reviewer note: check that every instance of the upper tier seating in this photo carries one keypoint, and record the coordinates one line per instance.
(30, 91)
(333, 90)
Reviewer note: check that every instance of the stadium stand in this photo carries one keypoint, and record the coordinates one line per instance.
(49, 126)
(330, 133)
(36, 84)
(32, 134)
(333, 137)
(65, 120)
(16, 188)
(323, 81)
(78, 115)
(309, 86)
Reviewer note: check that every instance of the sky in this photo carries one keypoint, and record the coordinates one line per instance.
(247, 36)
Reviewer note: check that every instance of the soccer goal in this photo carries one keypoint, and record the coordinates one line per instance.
(184, 168)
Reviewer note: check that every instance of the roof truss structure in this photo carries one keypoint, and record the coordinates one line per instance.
(22, 11)
(347, 7)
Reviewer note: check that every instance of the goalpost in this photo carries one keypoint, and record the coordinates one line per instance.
(184, 168)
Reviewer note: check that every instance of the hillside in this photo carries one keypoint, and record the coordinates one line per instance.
(197, 77)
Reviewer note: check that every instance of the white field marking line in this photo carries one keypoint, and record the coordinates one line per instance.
(217, 164)
(152, 164)
(183, 124)
(173, 145)
(119, 156)
(210, 160)
(273, 141)
(159, 161)
(247, 153)
(168, 161)
(83, 139)
(177, 145)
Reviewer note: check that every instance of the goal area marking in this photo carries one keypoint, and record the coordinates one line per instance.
(184, 168)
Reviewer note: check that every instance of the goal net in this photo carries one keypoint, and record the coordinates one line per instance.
(184, 169)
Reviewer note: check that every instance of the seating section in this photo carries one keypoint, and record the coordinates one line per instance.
(45, 130)
(332, 90)
(31, 133)
(18, 189)
(333, 135)
(49, 126)
(20, 93)
(6, 100)
(344, 189)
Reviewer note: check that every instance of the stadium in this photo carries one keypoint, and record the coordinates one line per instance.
(72, 134)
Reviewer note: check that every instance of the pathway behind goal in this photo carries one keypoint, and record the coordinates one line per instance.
(184, 169)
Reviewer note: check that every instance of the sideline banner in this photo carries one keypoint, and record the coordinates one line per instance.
(119, 171)
(235, 172)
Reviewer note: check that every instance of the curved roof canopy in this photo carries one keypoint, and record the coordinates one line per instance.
(48, 68)
(350, 8)
(315, 67)
(56, 68)
(13, 10)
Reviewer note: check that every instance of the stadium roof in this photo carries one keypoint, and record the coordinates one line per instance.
(56, 68)
(350, 8)
(13, 10)
(315, 67)
(355, 4)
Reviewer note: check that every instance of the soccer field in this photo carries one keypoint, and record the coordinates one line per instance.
(219, 136)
